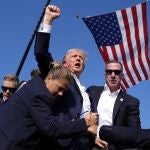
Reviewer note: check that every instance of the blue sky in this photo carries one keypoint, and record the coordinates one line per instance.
(17, 23)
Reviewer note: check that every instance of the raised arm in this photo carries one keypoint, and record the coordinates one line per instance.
(42, 56)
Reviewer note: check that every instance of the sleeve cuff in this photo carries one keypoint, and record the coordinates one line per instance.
(45, 28)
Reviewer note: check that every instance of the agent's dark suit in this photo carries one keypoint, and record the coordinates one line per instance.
(129, 136)
(1, 98)
(70, 105)
(126, 107)
(28, 114)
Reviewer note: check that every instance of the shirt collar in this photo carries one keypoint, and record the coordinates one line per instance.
(107, 89)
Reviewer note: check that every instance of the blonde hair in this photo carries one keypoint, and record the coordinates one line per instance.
(58, 71)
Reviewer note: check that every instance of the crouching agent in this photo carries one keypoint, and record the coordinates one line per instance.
(29, 112)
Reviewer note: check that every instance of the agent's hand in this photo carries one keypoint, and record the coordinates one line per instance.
(91, 118)
(51, 12)
(101, 143)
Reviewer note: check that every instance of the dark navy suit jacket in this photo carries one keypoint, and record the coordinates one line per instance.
(28, 114)
(129, 136)
(126, 108)
(1, 98)
(70, 105)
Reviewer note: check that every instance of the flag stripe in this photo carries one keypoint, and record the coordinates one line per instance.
(124, 54)
(134, 36)
(125, 83)
(123, 36)
(128, 32)
(145, 30)
(105, 53)
(135, 18)
(114, 52)
(126, 64)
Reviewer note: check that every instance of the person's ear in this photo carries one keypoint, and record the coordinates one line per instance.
(49, 77)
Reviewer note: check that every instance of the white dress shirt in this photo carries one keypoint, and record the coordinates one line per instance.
(45, 28)
(106, 105)
(86, 107)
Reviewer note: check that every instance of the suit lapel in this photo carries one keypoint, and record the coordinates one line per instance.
(77, 96)
(76, 86)
(117, 105)
(97, 95)
(94, 94)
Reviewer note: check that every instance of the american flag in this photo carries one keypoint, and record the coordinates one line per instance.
(123, 35)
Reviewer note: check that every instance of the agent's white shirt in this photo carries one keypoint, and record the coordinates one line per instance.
(106, 105)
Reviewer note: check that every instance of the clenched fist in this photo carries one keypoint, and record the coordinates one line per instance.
(91, 118)
(51, 12)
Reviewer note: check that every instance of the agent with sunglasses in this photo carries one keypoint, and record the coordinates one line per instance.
(115, 107)
(9, 86)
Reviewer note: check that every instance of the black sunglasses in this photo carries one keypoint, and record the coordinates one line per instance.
(116, 72)
(11, 90)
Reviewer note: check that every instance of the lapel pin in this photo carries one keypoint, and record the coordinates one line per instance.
(121, 99)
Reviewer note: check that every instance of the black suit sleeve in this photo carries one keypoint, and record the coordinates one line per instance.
(42, 56)
(48, 124)
(128, 136)
(133, 117)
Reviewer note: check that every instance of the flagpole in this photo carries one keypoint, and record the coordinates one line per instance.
(31, 41)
